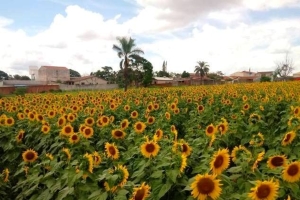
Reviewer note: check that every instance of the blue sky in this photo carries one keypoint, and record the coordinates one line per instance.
(232, 35)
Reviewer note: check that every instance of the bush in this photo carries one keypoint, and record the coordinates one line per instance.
(20, 91)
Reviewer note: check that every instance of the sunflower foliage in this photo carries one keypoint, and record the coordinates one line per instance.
(237, 141)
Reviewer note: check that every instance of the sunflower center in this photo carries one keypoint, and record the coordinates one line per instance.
(221, 127)
(150, 120)
(123, 124)
(205, 186)
(112, 150)
(287, 138)
(139, 194)
(263, 191)
(277, 161)
(29, 156)
(139, 126)
(87, 131)
(210, 129)
(184, 148)
(150, 148)
(134, 114)
(20, 136)
(118, 133)
(9, 121)
(218, 161)
(293, 170)
(104, 120)
(74, 137)
(68, 130)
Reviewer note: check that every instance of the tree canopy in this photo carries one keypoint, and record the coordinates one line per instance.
(74, 73)
(3, 75)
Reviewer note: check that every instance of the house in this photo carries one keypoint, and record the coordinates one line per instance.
(296, 76)
(243, 74)
(162, 80)
(53, 74)
(86, 80)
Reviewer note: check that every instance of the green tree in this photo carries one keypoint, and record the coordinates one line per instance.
(201, 69)
(265, 79)
(185, 74)
(162, 74)
(3, 75)
(125, 49)
(74, 73)
(25, 78)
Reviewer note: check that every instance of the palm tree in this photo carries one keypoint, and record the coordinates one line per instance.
(202, 69)
(126, 50)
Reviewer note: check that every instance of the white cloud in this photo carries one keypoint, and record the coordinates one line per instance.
(82, 40)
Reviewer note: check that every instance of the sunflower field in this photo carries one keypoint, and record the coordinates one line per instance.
(237, 141)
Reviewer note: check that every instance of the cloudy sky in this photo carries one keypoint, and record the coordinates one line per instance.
(231, 35)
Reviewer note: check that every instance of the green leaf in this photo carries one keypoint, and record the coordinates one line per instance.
(157, 174)
(64, 192)
(45, 195)
(235, 169)
(172, 174)
(95, 194)
(164, 189)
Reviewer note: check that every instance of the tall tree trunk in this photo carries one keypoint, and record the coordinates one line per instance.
(125, 73)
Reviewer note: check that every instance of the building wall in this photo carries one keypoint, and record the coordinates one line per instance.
(30, 89)
(243, 74)
(91, 81)
(52, 74)
(88, 87)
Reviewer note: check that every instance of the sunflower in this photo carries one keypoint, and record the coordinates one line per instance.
(200, 108)
(141, 193)
(123, 170)
(254, 118)
(9, 121)
(183, 163)
(245, 98)
(296, 111)
(31, 116)
(88, 132)
(220, 161)
(291, 173)
(67, 153)
(51, 114)
(111, 119)
(104, 120)
(6, 175)
(158, 134)
(149, 148)
(168, 115)
(150, 120)
(118, 134)
(124, 124)
(29, 155)
(173, 106)
(139, 127)
(134, 114)
(97, 158)
(39, 117)
(21, 116)
(246, 106)
(210, 130)
(126, 107)
(277, 161)
(257, 140)
(258, 159)
(74, 138)
(111, 151)
(20, 136)
(206, 186)
(50, 156)
(45, 129)
(156, 106)
(67, 130)
(222, 127)
(240, 152)
(185, 148)
(61, 121)
(288, 138)
(90, 160)
(264, 190)
(71, 117)
(89, 121)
